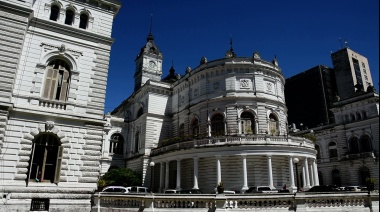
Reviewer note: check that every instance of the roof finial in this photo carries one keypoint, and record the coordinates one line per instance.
(150, 36)
(346, 43)
(231, 41)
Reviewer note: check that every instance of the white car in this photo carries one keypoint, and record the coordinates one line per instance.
(118, 189)
(352, 188)
(171, 191)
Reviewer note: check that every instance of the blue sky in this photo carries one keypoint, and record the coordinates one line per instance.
(302, 34)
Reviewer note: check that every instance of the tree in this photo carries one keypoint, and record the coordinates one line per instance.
(120, 177)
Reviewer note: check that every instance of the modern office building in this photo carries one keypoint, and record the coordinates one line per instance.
(351, 71)
(53, 68)
(316, 88)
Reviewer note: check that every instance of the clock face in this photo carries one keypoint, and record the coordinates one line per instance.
(152, 64)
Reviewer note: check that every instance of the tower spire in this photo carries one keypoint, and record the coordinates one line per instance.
(150, 36)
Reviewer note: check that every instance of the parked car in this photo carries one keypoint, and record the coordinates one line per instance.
(171, 191)
(260, 189)
(190, 191)
(353, 188)
(119, 189)
(138, 189)
(321, 188)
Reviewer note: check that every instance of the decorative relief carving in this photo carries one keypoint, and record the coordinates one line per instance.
(244, 83)
(269, 87)
(49, 125)
(62, 49)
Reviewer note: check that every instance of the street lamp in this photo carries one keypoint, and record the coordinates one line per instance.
(301, 126)
(151, 164)
(295, 161)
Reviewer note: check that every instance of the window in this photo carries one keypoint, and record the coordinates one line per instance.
(333, 150)
(116, 143)
(352, 117)
(273, 125)
(364, 173)
(195, 127)
(358, 116)
(365, 143)
(320, 176)
(217, 125)
(54, 13)
(83, 21)
(354, 145)
(57, 80)
(335, 175)
(364, 114)
(69, 17)
(46, 158)
(137, 142)
(247, 123)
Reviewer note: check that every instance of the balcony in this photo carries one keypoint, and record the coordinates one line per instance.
(258, 140)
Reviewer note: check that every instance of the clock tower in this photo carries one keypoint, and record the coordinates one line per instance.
(148, 63)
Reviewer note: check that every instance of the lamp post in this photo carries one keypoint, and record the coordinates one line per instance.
(301, 126)
(151, 164)
(295, 161)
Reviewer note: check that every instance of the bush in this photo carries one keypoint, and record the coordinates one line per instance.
(120, 177)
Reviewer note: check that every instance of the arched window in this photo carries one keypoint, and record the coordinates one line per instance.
(352, 117)
(273, 125)
(195, 127)
(364, 173)
(69, 17)
(57, 81)
(333, 150)
(318, 151)
(335, 176)
(217, 125)
(247, 123)
(181, 132)
(54, 12)
(354, 145)
(83, 22)
(137, 142)
(364, 114)
(365, 144)
(46, 158)
(140, 112)
(347, 118)
(358, 116)
(116, 144)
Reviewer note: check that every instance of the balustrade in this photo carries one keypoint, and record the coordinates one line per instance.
(342, 201)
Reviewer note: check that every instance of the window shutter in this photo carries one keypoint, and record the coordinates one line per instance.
(65, 86)
(54, 81)
(48, 82)
(57, 173)
(31, 164)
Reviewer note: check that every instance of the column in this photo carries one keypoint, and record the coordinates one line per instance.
(239, 127)
(167, 175)
(311, 175)
(316, 177)
(162, 176)
(218, 170)
(303, 177)
(178, 187)
(307, 173)
(245, 178)
(196, 159)
(291, 173)
(270, 175)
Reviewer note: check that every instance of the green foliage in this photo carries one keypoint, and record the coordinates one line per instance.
(120, 177)
(220, 184)
(370, 180)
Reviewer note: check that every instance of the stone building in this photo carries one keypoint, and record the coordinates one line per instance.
(223, 121)
(53, 67)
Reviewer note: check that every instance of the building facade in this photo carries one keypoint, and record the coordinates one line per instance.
(54, 68)
(223, 121)
(348, 144)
